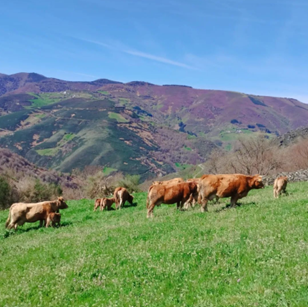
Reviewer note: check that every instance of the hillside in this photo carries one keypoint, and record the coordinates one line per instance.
(15, 166)
(253, 255)
(136, 127)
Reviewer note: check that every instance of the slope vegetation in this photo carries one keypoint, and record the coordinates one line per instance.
(148, 129)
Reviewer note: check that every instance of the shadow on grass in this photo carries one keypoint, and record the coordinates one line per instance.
(129, 205)
(11, 232)
(228, 206)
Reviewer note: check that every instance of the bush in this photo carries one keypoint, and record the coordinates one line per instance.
(5, 193)
(130, 182)
(34, 190)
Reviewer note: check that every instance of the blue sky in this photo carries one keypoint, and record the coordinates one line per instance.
(251, 46)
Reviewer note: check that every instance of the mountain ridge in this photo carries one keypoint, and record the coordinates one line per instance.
(150, 129)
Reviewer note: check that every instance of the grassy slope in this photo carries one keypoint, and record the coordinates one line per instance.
(254, 255)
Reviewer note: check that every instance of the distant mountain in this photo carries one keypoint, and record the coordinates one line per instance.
(134, 127)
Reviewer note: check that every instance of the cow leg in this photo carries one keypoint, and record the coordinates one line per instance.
(182, 204)
(204, 205)
(234, 199)
(41, 223)
(48, 222)
(150, 210)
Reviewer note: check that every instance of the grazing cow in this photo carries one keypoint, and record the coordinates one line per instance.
(21, 213)
(170, 194)
(121, 195)
(280, 185)
(235, 186)
(55, 218)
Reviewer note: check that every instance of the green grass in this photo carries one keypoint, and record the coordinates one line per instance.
(108, 170)
(253, 255)
(44, 99)
(233, 134)
(117, 117)
(104, 92)
(182, 166)
(47, 151)
(124, 101)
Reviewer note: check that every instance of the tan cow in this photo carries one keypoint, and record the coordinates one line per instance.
(235, 186)
(176, 193)
(55, 218)
(21, 213)
(280, 185)
(121, 195)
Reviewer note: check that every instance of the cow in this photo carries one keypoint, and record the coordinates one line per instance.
(192, 201)
(176, 193)
(55, 218)
(104, 203)
(121, 195)
(21, 213)
(235, 186)
(166, 183)
(280, 185)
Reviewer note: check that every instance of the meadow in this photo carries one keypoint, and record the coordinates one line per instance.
(253, 255)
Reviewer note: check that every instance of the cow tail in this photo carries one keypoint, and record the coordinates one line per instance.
(116, 199)
(148, 200)
(8, 219)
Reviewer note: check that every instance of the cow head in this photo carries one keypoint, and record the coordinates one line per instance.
(61, 203)
(257, 182)
(130, 199)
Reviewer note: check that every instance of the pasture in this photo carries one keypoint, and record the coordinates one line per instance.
(253, 255)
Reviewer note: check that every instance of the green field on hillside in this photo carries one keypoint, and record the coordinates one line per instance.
(252, 255)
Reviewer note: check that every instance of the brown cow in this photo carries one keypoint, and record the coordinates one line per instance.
(192, 201)
(121, 195)
(104, 203)
(280, 185)
(55, 218)
(177, 193)
(21, 213)
(235, 186)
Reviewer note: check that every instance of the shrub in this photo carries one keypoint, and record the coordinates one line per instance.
(5, 193)
(34, 190)
(130, 182)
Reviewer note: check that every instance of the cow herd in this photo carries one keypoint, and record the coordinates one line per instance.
(176, 191)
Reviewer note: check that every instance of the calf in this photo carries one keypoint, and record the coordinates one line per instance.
(54, 219)
(280, 185)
